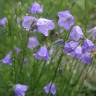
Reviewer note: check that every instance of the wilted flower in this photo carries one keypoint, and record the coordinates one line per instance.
(29, 23)
(33, 42)
(7, 59)
(44, 25)
(66, 20)
(87, 45)
(50, 88)
(36, 8)
(3, 21)
(20, 89)
(76, 33)
(42, 53)
(70, 46)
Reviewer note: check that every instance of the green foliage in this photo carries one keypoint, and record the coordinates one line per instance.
(68, 74)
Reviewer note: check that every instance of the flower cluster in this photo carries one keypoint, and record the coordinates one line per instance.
(76, 49)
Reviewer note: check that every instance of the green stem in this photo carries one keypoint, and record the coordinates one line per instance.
(55, 73)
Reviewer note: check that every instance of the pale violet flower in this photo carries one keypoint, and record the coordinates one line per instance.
(86, 58)
(44, 25)
(36, 8)
(20, 89)
(87, 45)
(50, 88)
(8, 58)
(66, 19)
(3, 21)
(28, 22)
(76, 34)
(33, 42)
(42, 53)
(70, 46)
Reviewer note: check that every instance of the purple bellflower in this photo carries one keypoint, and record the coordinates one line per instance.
(33, 42)
(42, 53)
(86, 58)
(28, 22)
(3, 21)
(66, 20)
(20, 89)
(77, 52)
(87, 45)
(70, 46)
(50, 88)
(44, 25)
(7, 59)
(36, 8)
(76, 34)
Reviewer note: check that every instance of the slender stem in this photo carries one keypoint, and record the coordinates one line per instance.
(39, 76)
(55, 73)
(77, 80)
(70, 77)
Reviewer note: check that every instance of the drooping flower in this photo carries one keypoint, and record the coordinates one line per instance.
(87, 45)
(77, 52)
(66, 20)
(33, 42)
(29, 22)
(44, 25)
(86, 58)
(8, 58)
(3, 21)
(42, 53)
(36, 8)
(70, 46)
(20, 89)
(76, 33)
(50, 88)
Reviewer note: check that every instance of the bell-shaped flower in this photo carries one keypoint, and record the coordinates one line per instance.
(8, 58)
(86, 58)
(3, 22)
(77, 52)
(20, 89)
(42, 53)
(36, 8)
(29, 23)
(66, 19)
(50, 88)
(87, 45)
(33, 42)
(70, 46)
(76, 34)
(44, 25)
